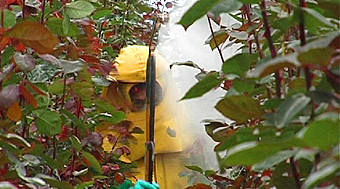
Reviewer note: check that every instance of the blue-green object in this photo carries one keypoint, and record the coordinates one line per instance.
(141, 184)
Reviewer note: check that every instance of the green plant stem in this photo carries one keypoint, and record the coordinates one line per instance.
(278, 74)
(295, 173)
(43, 11)
(215, 41)
(259, 49)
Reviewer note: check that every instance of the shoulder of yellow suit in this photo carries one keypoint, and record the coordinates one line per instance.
(131, 64)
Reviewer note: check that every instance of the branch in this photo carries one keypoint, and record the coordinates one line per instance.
(215, 41)
(295, 173)
(278, 74)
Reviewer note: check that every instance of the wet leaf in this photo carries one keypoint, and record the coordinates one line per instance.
(48, 122)
(199, 9)
(34, 35)
(7, 185)
(71, 66)
(94, 162)
(289, 109)
(321, 175)
(274, 160)
(273, 65)
(323, 132)
(187, 63)
(317, 56)
(76, 121)
(240, 108)
(76, 144)
(239, 64)
(203, 86)
(14, 112)
(226, 7)
(79, 9)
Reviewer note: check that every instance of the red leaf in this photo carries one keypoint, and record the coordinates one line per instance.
(34, 35)
(90, 59)
(14, 112)
(28, 96)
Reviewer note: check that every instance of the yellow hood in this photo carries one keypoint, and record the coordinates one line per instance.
(131, 65)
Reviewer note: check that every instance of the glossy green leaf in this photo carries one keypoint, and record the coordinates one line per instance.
(209, 82)
(226, 7)
(48, 122)
(199, 9)
(94, 162)
(289, 109)
(9, 18)
(194, 168)
(239, 64)
(243, 86)
(317, 56)
(76, 144)
(240, 108)
(79, 9)
(57, 26)
(76, 121)
(324, 132)
(273, 160)
(321, 175)
(42, 73)
(240, 136)
(101, 13)
(273, 65)
(83, 89)
(248, 153)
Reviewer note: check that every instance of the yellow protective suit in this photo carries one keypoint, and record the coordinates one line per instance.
(170, 116)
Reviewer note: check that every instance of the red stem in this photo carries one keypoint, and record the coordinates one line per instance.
(278, 74)
(43, 11)
(259, 49)
(23, 9)
(295, 173)
(2, 18)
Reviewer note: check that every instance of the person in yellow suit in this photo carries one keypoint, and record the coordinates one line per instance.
(170, 116)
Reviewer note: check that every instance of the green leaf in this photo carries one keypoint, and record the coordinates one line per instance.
(243, 86)
(104, 106)
(194, 168)
(203, 86)
(76, 121)
(76, 144)
(272, 65)
(9, 18)
(240, 108)
(42, 73)
(7, 185)
(94, 162)
(239, 64)
(240, 136)
(331, 5)
(66, 24)
(199, 9)
(272, 103)
(83, 89)
(226, 7)
(273, 160)
(79, 9)
(48, 122)
(57, 26)
(85, 185)
(317, 56)
(321, 175)
(323, 132)
(101, 13)
(289, 109)
(249, 1)
(248, 153)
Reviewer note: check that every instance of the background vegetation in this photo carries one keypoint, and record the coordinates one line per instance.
(282, 92)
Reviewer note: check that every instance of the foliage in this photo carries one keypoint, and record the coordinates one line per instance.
(282, 93)
(55, 56)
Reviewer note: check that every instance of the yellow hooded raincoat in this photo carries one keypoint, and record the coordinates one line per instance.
(170, 116)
